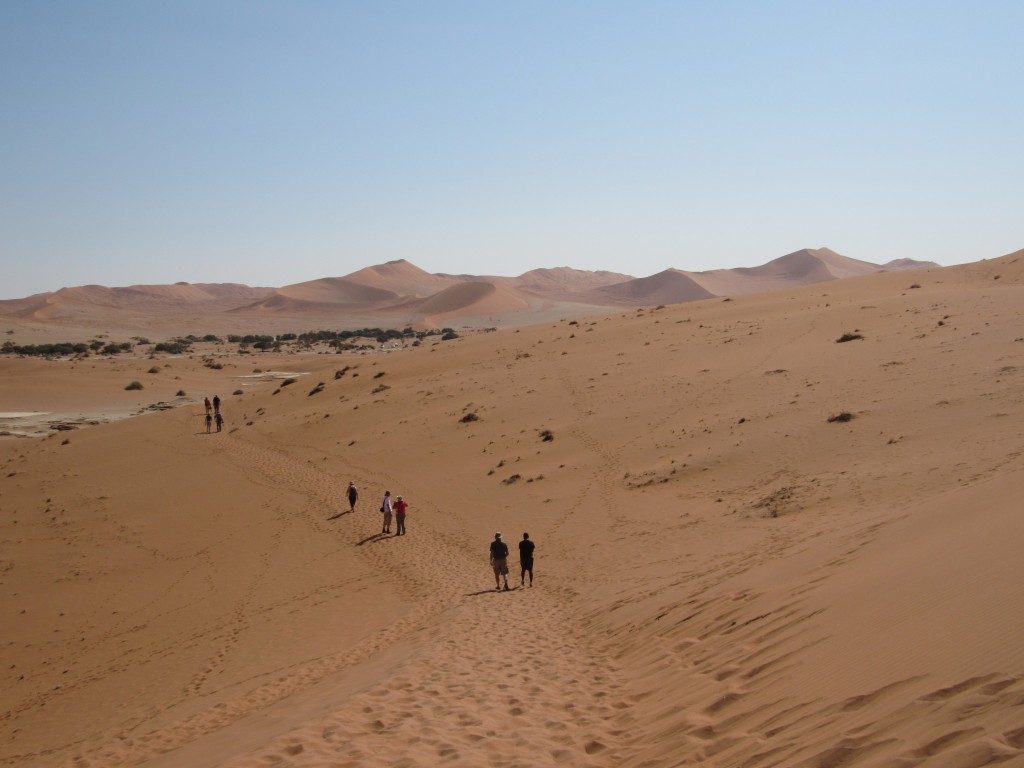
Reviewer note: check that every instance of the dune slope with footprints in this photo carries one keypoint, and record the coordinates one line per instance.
(726, 575)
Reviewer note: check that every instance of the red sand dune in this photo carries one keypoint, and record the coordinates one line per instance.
(387, 292)
(470, 300)
(402, 278)
(669, 287)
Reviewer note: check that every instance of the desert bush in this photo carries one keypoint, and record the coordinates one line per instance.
(237, 392)
(135, 385)
(848, 337)
(841, 417)
(180, 393)
(317, 389)
(468, 418)
(154, 369)
(449, 336)
(172, 347)
(287, 382)
(547, 435)
(379, 388)
(512, 479)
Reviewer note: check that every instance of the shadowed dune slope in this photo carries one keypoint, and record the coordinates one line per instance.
(336, 290)
(478, 298)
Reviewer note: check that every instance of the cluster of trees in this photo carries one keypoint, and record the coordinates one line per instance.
(66, 348)
(337, 339)
(183, 344)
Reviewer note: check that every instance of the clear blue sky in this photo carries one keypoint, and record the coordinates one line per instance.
(270, 143)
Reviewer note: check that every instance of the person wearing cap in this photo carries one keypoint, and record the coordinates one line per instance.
(353, 494)
(499, 561)
(400, 506)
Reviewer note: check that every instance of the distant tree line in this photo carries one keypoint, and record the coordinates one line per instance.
(65, 348)
(183, 344)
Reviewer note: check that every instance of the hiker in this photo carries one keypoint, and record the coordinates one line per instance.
(499, 561)
(219, 418)
(400, 506)
(206, 402)
(353, 496)
(216, 403)
(209, 422)
(385, 507)
(526, 559)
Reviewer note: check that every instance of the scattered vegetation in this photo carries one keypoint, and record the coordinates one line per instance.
(841, 417)
(180, 393)
(512, 479)
(288, 382)
(547, 435)
(237, 392)
(379, 388)
(64, 349)
(154, 369)
(468, 418)
(449, 336)
(849, 337)
(774, 501)
(134, 385)
(316, 390)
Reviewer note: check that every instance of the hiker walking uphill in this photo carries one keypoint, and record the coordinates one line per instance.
(353, 496)
(385, 508)
(499, 561)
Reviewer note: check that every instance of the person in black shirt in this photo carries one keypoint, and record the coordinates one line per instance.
(499, 561)
(526, 558)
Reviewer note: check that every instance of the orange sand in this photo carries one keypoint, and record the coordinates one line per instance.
(724, 577)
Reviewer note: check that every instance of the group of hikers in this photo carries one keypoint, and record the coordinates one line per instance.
(498, 550)
(213, 413)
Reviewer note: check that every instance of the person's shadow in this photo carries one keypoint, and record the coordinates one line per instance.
(340, 514)
(375, 537)
(492, 592)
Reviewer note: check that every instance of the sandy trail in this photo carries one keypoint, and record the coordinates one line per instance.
(469, 674)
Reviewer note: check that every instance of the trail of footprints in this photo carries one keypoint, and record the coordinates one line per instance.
(487, 684)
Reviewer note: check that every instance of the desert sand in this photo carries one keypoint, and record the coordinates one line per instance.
(727, 574)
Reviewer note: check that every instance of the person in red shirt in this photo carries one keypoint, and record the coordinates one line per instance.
(400, 506)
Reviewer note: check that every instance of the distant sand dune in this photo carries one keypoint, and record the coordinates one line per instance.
(668, 287)
(386, 294)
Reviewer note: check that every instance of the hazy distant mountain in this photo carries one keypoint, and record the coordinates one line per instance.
(92, 299)
(399, 293)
